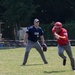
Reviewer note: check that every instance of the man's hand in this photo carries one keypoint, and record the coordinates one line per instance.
(56, 36)
(24, 44)
(44, 47)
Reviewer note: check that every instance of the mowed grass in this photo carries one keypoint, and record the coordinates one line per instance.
(11, 60)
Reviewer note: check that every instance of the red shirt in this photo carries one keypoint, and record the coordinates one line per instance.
(63, 32)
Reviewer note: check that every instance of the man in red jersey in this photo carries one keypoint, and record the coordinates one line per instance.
(61, 36)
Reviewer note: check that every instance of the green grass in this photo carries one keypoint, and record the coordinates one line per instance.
(11, 60)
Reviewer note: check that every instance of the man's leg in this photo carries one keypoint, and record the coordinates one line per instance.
(61, 54)
(69, 52)
(39, 49)
(25, 58)
(28, 48)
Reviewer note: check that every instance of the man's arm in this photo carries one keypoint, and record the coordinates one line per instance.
(42, 39)
(60, 37)
(43, 43)
(25, 38)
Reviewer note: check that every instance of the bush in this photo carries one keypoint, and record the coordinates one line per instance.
(48, 30)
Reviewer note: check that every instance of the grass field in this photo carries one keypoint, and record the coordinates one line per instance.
(11, 60)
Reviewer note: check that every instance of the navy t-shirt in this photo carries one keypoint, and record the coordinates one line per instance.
(33, 33)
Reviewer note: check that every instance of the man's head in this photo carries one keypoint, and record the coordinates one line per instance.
(58, 26)
(36, 22)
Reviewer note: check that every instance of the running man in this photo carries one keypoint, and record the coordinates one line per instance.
(61, 36)
(31, 41)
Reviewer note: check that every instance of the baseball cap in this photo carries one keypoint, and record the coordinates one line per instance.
(58, 25)
(36, 20)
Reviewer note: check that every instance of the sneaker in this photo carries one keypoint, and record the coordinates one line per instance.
(46, 63)
(64, 62)
(23, 64)
(73, 68)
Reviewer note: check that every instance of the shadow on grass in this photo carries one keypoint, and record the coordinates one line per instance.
(56, 71)
(32, 65)
(6, 48)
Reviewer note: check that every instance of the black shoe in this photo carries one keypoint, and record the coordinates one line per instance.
(64, 62)
(46, 63)
(73, 68)
(23, 64)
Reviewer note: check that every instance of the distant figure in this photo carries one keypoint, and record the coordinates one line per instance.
(0, 36)
(61, 36)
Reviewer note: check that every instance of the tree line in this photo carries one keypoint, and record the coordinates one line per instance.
(23, 12)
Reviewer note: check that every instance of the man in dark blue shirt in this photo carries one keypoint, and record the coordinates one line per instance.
(31, 37)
